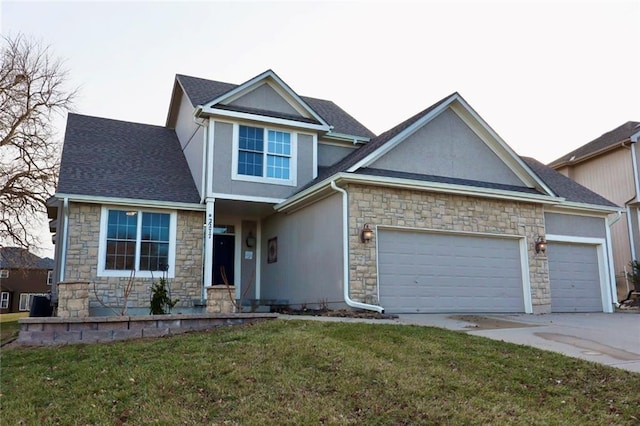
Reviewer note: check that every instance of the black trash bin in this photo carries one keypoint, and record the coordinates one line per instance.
(40, 307)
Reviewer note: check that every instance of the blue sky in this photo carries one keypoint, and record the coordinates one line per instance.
(548, 76)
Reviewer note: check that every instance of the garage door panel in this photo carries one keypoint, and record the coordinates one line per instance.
(427, 272)
(574, 276)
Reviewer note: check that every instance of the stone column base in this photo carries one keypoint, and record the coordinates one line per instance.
(73, 299)
(219, 299)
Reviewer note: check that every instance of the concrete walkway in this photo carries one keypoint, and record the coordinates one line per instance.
(610, 339)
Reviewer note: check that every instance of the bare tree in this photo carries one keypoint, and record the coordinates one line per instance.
(32, 93)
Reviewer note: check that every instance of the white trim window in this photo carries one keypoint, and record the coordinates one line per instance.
(136, 240)
(4, 300)
(26, 299)
(264, 155)
(49, 277)
(4, 273)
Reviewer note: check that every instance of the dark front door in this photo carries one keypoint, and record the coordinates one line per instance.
(223, 250)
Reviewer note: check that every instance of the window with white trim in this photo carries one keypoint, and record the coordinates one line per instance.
(263, 154)
(136, 240)
(49, 277)
(4, 300)
(4, 273)
(26, 299)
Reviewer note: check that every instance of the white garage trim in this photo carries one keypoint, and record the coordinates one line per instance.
(522, 244)
(603, 265)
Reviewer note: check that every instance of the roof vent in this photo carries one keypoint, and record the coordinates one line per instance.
(573, 157)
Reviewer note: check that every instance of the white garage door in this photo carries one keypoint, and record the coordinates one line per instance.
(432, 272)
(574, 276)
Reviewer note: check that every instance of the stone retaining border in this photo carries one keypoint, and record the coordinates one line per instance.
(47, 331)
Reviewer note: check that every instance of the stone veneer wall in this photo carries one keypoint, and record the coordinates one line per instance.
(428, 210)
(82, 260)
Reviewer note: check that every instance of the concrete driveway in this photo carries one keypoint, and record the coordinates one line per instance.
(610, 339)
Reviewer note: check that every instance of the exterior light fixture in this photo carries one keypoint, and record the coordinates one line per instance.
(541, 245)
(367, 233)
(251, 240)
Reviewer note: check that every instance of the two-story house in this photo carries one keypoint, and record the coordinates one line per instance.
(23, 275)
(291, 200)
(608, 165)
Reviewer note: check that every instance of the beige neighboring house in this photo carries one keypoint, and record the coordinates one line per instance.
(608, 165)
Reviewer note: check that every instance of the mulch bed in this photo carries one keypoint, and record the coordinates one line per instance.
(340, 313)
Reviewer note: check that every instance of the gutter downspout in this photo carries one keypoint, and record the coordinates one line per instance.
(634, 159)
(612, 273)
(345, 254)
(636, 178)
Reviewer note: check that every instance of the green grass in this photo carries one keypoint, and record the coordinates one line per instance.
(307, 372)
(9, 326)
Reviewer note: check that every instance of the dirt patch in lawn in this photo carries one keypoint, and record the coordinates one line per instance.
(479, 322)
(339, 313)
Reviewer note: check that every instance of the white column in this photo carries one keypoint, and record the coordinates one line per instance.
(208, 243)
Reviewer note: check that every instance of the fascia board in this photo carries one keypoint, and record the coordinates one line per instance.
(563, 209)
(310, 192)
(90, 199)
(263, 118)
(280, 88)
(572, 205)
(390, 144)
(304, 195)
(345, 137)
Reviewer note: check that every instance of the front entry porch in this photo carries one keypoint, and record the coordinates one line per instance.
(233, 247)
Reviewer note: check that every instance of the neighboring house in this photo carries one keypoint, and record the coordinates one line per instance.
(23, 275)
(608, 165)
(297, 202)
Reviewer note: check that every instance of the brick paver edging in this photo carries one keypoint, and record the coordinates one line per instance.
(45, 331)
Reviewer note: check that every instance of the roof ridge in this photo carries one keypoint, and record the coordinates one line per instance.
(137, 123)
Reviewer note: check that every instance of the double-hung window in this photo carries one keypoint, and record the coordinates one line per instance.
(140, 241)
(265, 155)
(4, 300)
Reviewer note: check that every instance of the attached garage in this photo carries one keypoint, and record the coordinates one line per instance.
(574, 275)
(429, 272)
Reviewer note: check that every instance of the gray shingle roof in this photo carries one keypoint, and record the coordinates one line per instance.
(607, 140)
(111, 158)
(20, 258)
(200, 91)
(446, 179)
(566, 187)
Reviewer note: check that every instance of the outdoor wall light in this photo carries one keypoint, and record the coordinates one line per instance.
(367, 233)
(541, 245)
(251, 240)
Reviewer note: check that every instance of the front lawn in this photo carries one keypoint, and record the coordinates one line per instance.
(307, 372)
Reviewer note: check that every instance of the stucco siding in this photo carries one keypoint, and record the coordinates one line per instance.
(265, 98)
(223, 167)
(439, 212)
(328, 155)
(446, 146)
(309, 266)
(574, 225)
(82, 261)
